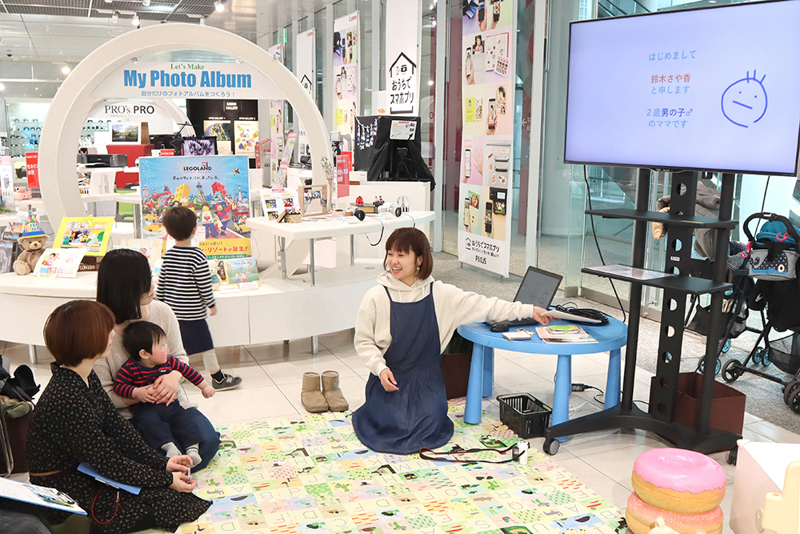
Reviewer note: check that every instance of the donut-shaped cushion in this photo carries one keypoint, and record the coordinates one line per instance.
(641, 518)
(678, 480)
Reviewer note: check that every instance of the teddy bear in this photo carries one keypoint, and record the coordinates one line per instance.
(32, 248)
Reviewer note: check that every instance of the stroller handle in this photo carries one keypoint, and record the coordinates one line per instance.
(769, 216)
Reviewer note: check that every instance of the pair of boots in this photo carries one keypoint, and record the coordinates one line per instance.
(329, 398)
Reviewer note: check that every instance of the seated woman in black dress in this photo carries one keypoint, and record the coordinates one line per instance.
(76, 422)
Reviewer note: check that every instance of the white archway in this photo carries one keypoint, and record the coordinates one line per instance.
(167, 107)
(73, 101)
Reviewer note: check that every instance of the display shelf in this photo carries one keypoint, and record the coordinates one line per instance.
(695, 221)
(686, 284)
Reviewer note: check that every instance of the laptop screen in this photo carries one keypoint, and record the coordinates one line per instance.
(538, 287)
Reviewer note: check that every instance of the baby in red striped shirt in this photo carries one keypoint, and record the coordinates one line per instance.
(163, 426)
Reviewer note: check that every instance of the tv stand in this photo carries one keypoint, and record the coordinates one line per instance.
(680, 223)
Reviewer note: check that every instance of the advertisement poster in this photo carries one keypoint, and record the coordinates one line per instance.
(223, 131)
(215, 187)
(305, 69)
(344, 163)
(346, 74)
(32, 168)
(402, 56)
(487, 82)
(245, 137)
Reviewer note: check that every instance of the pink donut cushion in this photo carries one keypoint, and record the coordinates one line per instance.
(678, 480)
(641, 518)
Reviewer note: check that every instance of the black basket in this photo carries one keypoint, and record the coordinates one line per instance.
(785, 353)
(526, 415)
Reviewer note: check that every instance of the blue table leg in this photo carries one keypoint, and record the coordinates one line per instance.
(562, 390)
(612, 381)
(472, 412)
(488, 371)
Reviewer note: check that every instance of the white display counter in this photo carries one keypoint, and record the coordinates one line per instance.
(279, 310)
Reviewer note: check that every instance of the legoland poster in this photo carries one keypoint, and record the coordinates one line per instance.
(215, 187)
(487, 147)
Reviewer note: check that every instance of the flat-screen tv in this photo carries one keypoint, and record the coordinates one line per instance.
(199, 146)
(702, 89)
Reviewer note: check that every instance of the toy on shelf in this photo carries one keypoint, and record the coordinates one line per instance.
(684, 488)
(32, 242)
(781, 511)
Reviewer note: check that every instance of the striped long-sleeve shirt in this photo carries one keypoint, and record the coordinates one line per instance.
(133, 375)
(185, 283)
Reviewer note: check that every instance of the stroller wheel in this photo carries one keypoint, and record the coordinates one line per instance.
(758, 356)
(789, 390)
(717, 368)
(765, 361)
(726, 346)
(731, 370)
(794, 401)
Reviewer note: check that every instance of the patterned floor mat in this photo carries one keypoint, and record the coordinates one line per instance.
(311, 475)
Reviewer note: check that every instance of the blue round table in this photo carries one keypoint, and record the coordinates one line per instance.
(610, 338)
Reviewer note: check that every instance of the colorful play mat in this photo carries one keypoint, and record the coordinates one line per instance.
(310, 474)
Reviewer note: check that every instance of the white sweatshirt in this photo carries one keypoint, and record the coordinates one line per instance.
(454, 307)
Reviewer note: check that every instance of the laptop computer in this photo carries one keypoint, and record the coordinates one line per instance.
(538, 287)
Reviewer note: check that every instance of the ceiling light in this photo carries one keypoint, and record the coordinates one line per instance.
(219, 6)
(146, 3)
(2, 87)
(430, 82)
(65, 69)
(115, 17)
(135, 20)
(202, 21)
(109, 1)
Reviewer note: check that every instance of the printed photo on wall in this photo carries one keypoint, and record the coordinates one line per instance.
(246, 137)
(472, 161)
(499, 118)
(498, 162)
(223, 131)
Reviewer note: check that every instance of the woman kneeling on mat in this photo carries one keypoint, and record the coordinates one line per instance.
(402, 327)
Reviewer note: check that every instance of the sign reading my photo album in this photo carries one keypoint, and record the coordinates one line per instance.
(215, 187)
(487, 152)
(186, 80)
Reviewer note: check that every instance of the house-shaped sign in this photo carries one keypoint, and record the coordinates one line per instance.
(402, 90)
(307, 85)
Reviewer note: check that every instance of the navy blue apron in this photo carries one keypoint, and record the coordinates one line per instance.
(404, 421)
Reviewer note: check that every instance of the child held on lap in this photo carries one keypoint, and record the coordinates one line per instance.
(162, 425)
(185, 286)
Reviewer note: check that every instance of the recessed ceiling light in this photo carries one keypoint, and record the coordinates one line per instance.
(109, 1)
(65, 69)
(146, 3)
(219, 6)
(135, 20)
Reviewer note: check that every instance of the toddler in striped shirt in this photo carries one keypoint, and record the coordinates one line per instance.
(163, 426)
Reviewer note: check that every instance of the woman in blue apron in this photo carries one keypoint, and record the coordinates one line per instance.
(402, 327)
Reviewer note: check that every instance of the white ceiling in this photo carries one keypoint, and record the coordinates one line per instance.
(39, 37)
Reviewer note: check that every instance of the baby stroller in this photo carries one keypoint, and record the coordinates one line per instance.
(771, 258)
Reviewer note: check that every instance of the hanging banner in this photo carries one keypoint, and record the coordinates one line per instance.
(186, 80)
(346, 74)
(215, 187)
(305, 68)
(487, 147)
(275, 122)
(402, 56)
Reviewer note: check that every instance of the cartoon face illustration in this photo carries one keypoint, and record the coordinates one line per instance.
(744, 102)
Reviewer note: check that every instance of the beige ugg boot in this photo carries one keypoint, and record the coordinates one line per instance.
(333, 395)
(311, 396)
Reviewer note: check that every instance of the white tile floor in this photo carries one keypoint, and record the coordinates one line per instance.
(271, 388)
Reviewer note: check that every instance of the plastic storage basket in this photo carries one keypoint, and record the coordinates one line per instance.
(526, 415)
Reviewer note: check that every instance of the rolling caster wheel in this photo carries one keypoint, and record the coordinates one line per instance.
(731, 370)
(551, 446)
(758, 356)
(732, 455)
(765, 361)
(794, 401)
(789, 390)
(702, 366)
(717, 368)
(726, 346)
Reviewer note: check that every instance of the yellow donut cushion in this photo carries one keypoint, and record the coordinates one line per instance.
(641, 518)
